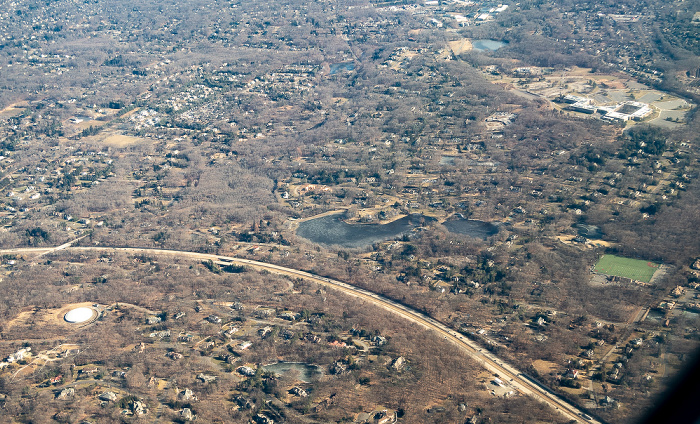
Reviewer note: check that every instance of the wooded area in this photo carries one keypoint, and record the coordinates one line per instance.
(224, 128)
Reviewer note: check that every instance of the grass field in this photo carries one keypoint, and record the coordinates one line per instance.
(618, 266)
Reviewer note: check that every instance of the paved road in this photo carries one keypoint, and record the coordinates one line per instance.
(506, 372)
(45, 251)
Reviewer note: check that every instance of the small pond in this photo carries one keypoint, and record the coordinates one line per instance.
(305, 372)
(484, 45)
(690, 315)
(343, 66)
(655, 316)
(332, 230)
(589, 231)
(447, 160)
(471, 227)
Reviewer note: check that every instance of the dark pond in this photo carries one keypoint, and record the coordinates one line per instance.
(690, 314)
(470, 227)
(492, 45)
(306, 372)
(331, 229)
(655, 316)
(344, 66)
(589, 231)
(447, 160)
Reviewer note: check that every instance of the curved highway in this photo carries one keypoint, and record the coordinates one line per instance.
(506, 372)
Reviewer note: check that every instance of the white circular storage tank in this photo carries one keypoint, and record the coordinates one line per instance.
(79, 315)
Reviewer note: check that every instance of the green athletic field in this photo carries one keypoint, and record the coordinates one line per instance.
(618, 266)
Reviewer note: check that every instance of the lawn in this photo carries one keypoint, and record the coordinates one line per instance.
(618, 266)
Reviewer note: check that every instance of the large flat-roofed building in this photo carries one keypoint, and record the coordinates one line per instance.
(626, 111)
(570, 98)
(621, 112)
(584, 106)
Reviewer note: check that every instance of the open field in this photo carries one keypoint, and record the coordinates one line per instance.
(634, 269)
(119, 140)
(460, 46)
(12, 110)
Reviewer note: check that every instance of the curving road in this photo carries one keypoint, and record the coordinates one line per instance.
(506, 372)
